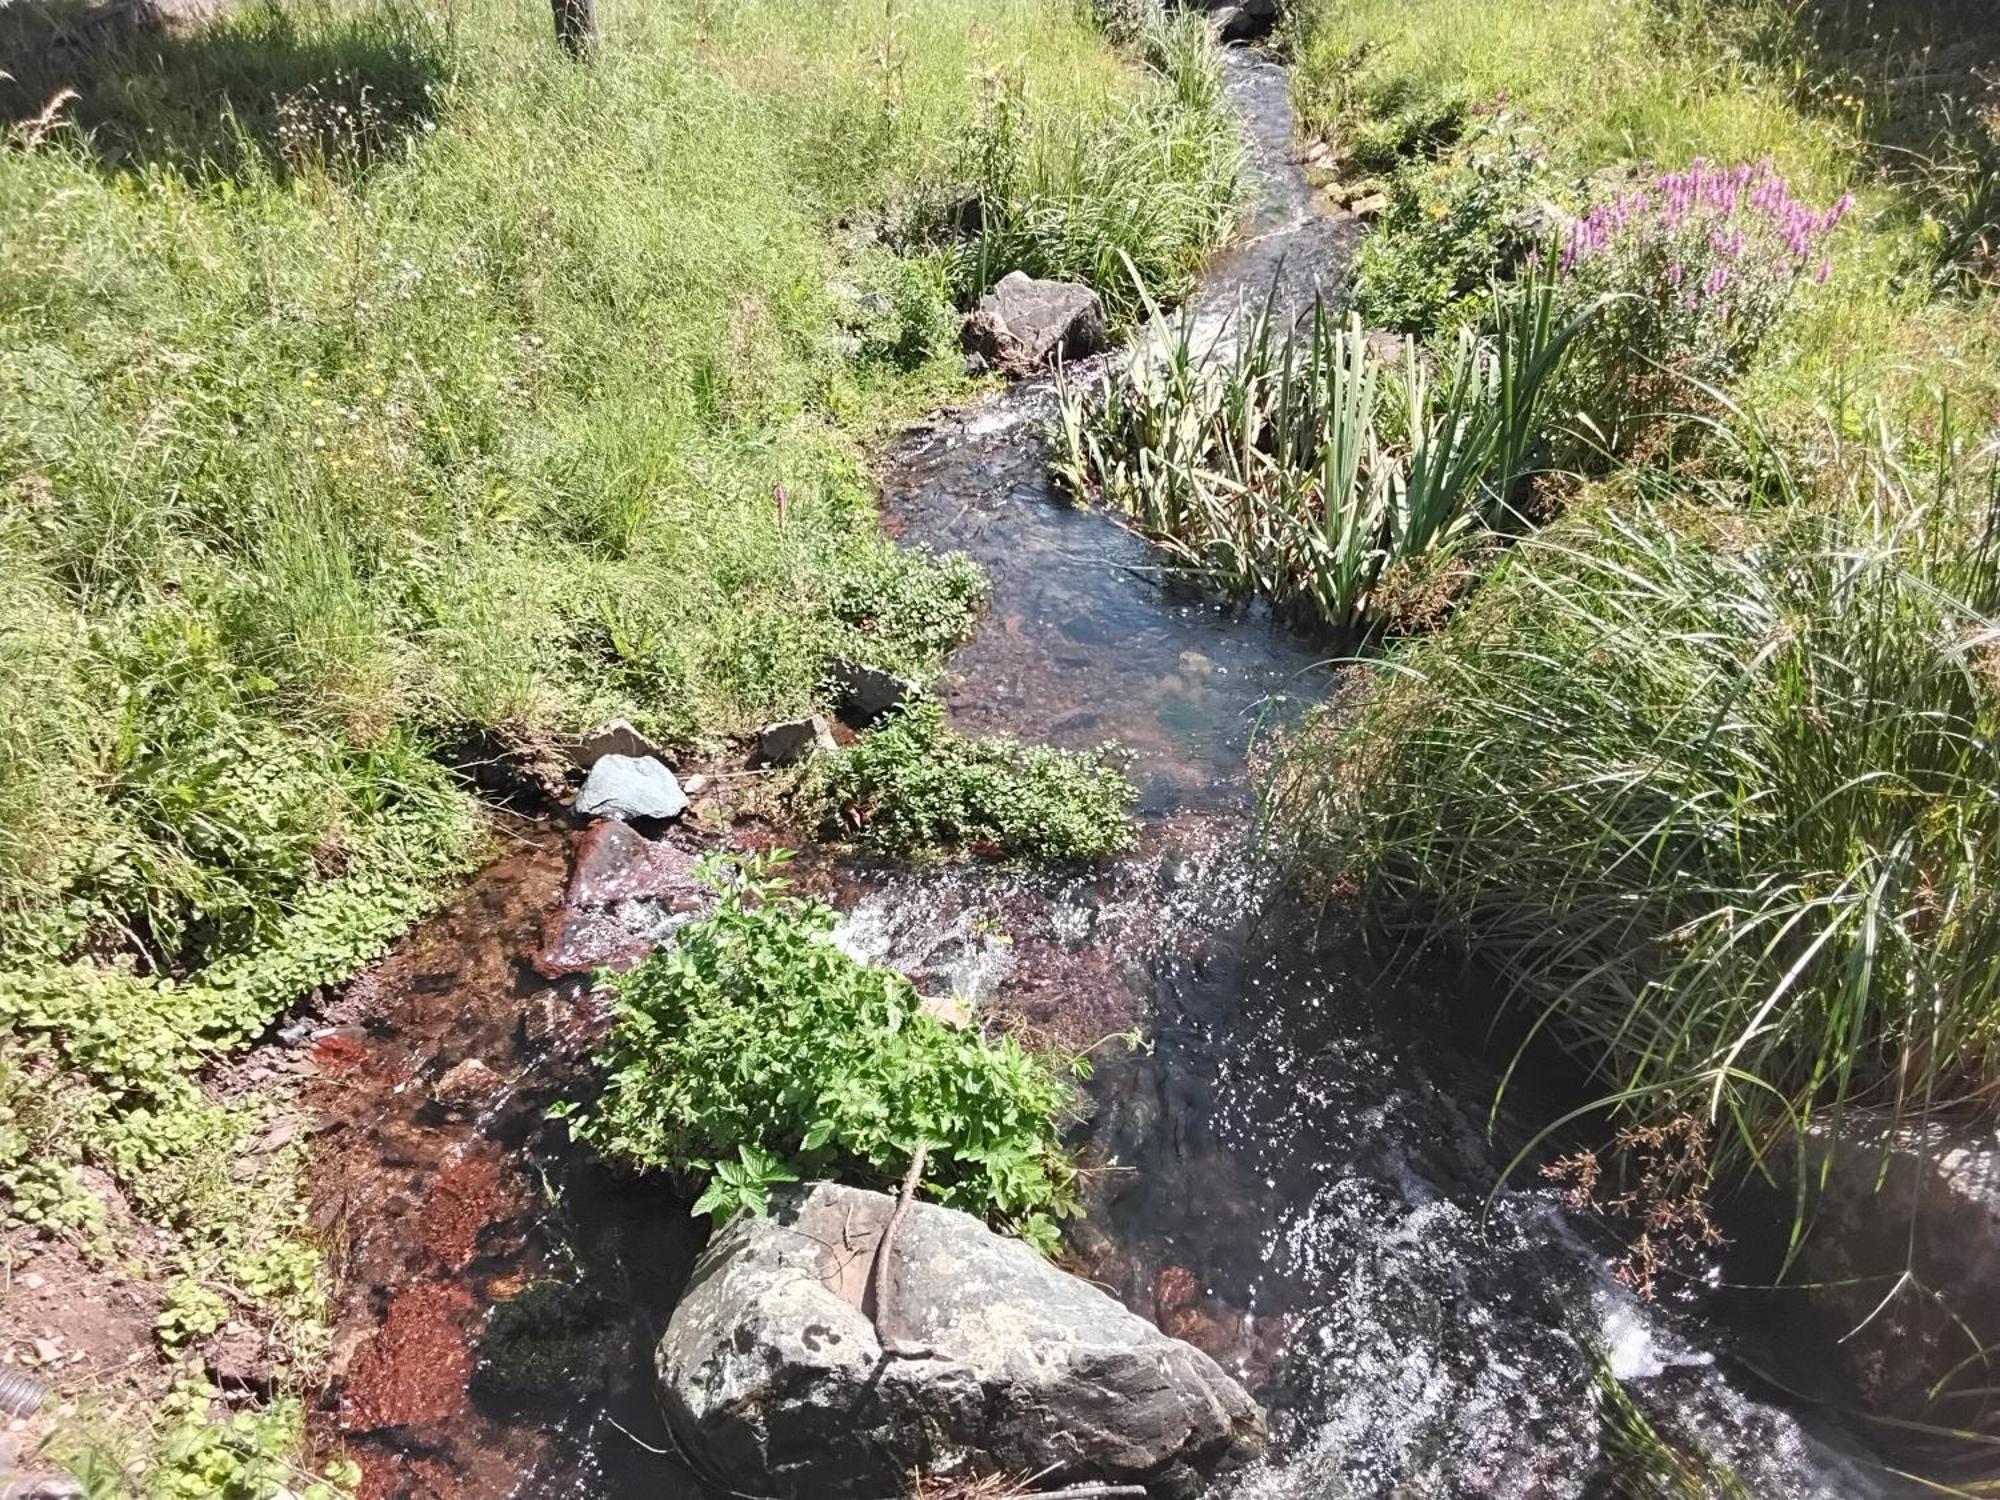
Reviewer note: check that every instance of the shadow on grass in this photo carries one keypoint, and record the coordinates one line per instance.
(265, 89)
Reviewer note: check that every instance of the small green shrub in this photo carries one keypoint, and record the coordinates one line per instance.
(915, 784)
(754, 1052)
(1456, 226)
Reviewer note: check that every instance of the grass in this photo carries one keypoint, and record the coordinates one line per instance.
(371, 373)
(1300, 465)
(1712, 791)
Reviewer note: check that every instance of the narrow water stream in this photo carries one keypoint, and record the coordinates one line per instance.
(1292, 1173)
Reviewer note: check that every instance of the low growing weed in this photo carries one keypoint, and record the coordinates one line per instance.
(916, 785)
(755, 1052)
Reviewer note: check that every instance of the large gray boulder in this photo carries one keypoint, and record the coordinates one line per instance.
(775, 1376)
(1023, 324)
(630, 786)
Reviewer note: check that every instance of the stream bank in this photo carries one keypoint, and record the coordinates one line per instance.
(1292, 1173)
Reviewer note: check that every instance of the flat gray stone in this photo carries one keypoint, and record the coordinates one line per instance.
(793, 740)
(614, 737)
(773, 1375)
(630, 786)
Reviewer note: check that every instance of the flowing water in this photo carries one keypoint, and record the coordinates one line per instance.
(1293, 1172)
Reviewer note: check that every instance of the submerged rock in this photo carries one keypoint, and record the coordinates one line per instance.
(774, 1375)
(1024, 324)
(630, 786)
(792, 740)
(1923, 1200)
(625, 896)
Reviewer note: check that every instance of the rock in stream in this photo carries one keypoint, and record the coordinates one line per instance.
(774, 1376)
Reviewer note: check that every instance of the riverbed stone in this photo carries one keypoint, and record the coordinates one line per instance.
(1884, 1199)
(630, 786)
(614, 737)
(866, 694)
(790, 741)
(774, 1375)
(626, 895)
(1023, 324)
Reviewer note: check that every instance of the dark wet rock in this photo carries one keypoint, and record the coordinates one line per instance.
(1922, 1199)
(1023, 324)
(617, 737)
(629, 786)
(467, 1087)
(774, 1376)
(625, 896)
(793, 740)
(1241, 20)
(866, 693)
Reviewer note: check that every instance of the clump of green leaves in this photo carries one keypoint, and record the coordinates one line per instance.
(918, 785)
(908, 609)
(755, 1052)
(1456, 225)
(193, 1455)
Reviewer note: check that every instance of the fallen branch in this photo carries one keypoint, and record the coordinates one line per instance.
(878, 1274)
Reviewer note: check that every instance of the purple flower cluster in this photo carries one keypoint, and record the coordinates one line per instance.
(1723, 201)
(1714, 251)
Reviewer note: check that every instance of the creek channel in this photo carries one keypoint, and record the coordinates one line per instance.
(1294, 1172)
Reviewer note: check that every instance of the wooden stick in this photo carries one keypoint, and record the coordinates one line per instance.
(892, 1344)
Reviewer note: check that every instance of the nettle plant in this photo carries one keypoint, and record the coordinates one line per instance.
(754, 1052)
(1700, 267)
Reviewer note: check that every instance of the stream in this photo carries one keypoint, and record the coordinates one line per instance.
(1293, 1172)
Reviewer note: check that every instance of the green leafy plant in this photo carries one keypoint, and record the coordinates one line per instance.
(915, 784)
(1455, 227)
(755, 1052)
(1281, 463)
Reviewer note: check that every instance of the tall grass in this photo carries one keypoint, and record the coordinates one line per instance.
(1713, 790)
(1156, 185)
(1298, 462)
(420, 379)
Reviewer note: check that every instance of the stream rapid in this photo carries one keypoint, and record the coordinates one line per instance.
(1294, 1171)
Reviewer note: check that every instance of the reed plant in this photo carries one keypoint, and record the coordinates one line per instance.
(1713, 789)
(1299, 461)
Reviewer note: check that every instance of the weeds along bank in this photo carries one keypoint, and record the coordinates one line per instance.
(1704, 764)
(371, 375)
